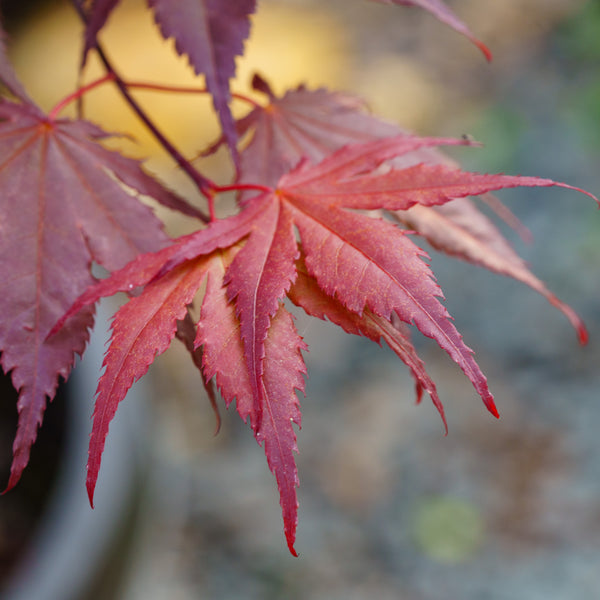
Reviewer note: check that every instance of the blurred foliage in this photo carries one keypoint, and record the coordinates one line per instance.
(584, 110)
(578, 48)
(500, 128)
(579, 36)
(448, 530)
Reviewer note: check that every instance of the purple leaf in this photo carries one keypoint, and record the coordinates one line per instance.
(211, 34)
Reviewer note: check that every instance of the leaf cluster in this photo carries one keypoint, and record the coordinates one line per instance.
(330, 199)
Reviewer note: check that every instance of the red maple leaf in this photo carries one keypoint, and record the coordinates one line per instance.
(303, 123)
(314, 123)
(352, 267)
(64, 204)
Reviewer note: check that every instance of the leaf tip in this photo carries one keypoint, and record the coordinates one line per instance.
(582, 335)
(491, 406)
(91, 486)
(436, 402)
(576, 322)
(15, 476)
(484, 49)
(290, 542)
(577, 189)
(444, 421)
(20, 461)
(260, 84)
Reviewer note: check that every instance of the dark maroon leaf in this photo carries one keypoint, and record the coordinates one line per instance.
(62, 207)
(211, 33)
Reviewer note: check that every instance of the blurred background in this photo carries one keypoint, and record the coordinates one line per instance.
(389, 507)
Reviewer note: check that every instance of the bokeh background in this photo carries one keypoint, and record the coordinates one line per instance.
(389, 507)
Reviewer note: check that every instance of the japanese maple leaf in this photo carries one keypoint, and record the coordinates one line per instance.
(308, 239)
(313, 123)
(441, 11)
(211, 33)
(63, 204)
(309, 124)
(262, 376)
(303, 123)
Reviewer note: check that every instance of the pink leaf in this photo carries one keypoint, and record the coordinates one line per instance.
(302, 124)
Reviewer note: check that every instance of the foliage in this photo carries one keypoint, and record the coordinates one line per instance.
(329, 199)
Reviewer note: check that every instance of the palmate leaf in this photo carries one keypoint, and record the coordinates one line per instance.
(63, 205)
(302, 124)
(441, 11)
(312, 124)
(264, 387)
(306, 240)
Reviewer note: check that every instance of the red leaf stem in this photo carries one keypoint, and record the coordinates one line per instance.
(78, 94)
